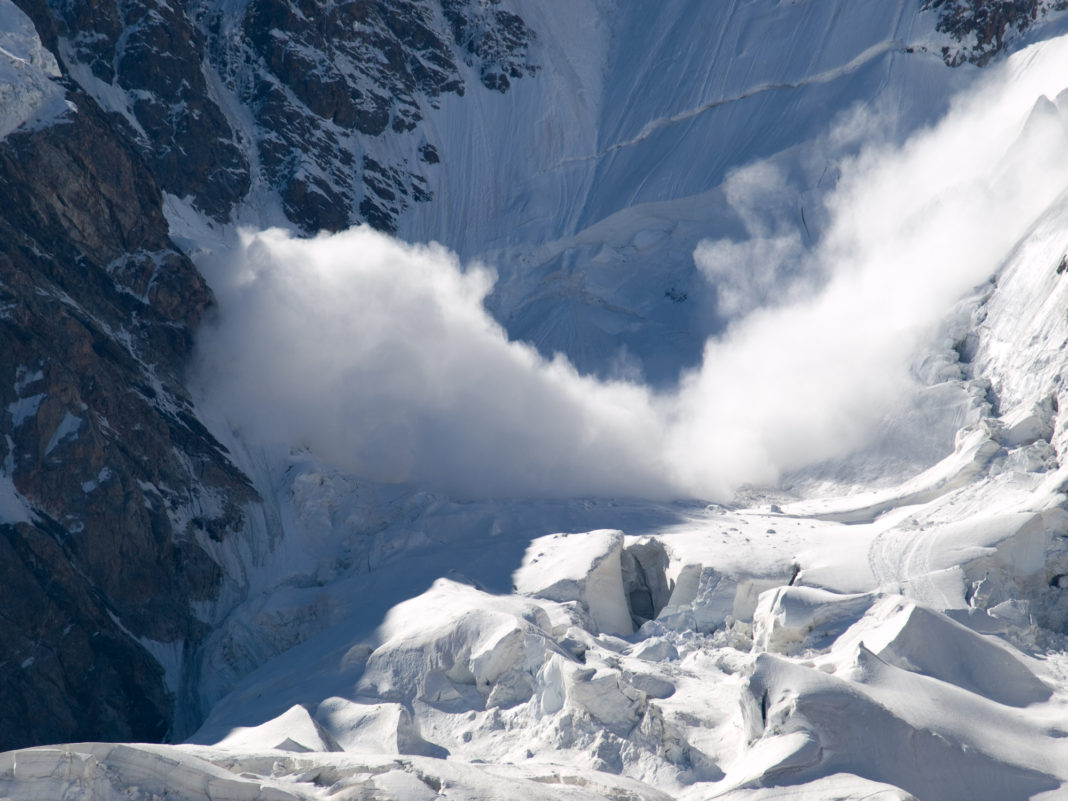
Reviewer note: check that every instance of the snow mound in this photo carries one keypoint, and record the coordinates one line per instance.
(28, 93)
(459, 648)
(922, 641)
(373, 727)
(294, 730)
(584, 568)
(886, 724)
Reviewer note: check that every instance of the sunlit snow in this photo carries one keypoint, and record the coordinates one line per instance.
(830, 561)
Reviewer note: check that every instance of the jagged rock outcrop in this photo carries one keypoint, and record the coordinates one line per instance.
(153, 53)
(325, 84)
(110, 482)
(982, 28)
(320, 85)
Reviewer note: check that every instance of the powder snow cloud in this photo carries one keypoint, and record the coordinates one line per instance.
(380, 357)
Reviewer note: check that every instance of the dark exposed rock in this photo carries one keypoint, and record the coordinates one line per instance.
(154, 52)
(99, 438)
(983, 28)
(494, 39)
(324, 82)
(68, 669)
(429, 154)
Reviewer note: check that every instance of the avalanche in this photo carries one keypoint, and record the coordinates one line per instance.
(459, 587)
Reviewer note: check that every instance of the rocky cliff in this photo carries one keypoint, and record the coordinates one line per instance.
(111, 483)
(288, 98)
(981, 29)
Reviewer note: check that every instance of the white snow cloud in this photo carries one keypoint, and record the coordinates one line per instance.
(762, 269)
(911, 230)
(380, 357)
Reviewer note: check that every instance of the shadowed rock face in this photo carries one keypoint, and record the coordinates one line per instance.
(97, 434)
(154, 51)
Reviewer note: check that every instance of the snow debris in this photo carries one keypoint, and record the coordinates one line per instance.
(584, 568)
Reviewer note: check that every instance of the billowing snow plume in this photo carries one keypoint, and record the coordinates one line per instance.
(379, 355)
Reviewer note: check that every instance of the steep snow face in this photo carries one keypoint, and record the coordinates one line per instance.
(620, 92)
(28, 93)
(600, 175)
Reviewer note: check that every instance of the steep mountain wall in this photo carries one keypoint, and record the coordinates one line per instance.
(109, 482)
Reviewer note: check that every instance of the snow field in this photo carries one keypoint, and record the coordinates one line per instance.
(806, 690)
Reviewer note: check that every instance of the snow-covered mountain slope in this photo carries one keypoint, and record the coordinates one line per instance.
(603, 173)
(453, 582)
(599, 135)
(899, 638)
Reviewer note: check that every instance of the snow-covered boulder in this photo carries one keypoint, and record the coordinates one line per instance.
(702, 599)
(794, 617)
(1025, 425)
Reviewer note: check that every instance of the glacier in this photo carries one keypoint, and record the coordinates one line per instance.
(802, 539)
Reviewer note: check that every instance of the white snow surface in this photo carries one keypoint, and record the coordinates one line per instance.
(880, 614)
(28, 94)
